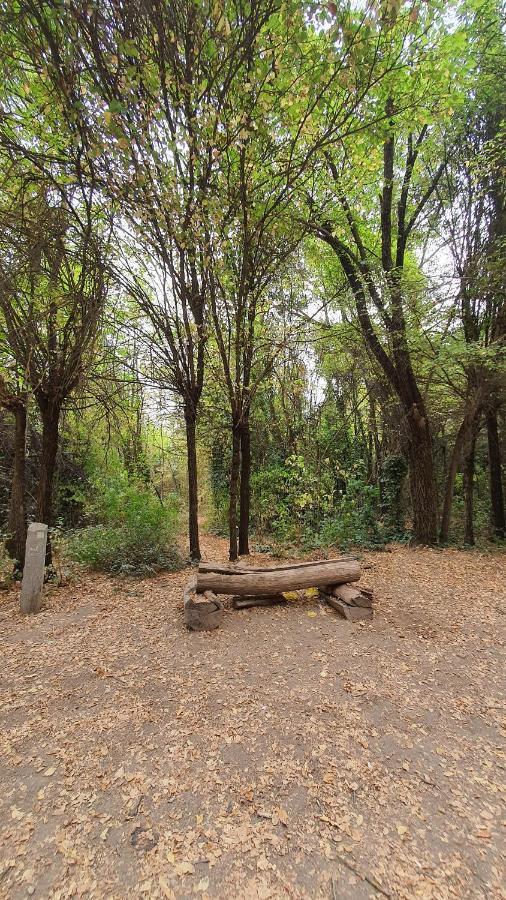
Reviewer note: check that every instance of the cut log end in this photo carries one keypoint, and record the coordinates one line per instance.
(353, 613)
(204, 613)
(351, 594)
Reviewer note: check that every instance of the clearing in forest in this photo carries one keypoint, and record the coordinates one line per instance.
(288, 754)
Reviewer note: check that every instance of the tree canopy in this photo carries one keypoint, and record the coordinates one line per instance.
(261, 246)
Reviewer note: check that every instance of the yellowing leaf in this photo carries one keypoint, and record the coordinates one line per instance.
(185, 868)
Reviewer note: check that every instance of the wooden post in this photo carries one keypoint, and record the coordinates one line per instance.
(33, 572)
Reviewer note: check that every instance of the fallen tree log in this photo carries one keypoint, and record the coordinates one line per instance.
(261, 582)
(246, 602)
(203, 613)
(233, 568)
(353, 596)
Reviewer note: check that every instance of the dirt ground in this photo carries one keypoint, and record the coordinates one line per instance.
(289, 754)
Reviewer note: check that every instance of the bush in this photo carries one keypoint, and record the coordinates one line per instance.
(353, 520)
(132, 532)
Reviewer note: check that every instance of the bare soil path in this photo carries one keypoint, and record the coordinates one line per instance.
(290, 754)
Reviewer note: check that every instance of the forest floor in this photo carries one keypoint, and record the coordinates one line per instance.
(289, 754)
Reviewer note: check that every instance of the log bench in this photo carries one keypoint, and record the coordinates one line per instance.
(335, 578)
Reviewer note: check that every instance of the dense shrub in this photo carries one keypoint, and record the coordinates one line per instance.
(131, 531)
(353, 520)
(293, 504)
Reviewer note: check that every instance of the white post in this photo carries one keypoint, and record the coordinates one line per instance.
(33, 572)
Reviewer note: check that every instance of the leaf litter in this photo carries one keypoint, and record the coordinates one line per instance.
(285, 755)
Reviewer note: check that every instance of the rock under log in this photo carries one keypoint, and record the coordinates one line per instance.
(205, 612)
(246, 602)
(266, 582)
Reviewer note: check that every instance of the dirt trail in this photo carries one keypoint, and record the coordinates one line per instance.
(290, 754)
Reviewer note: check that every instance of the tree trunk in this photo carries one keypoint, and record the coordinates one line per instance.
(234, 489)
(16, 541)
(50, 427)
(495, 475)
(468, 471)
(464, 433)
(422, 483)
(193, 498)
(245, 487)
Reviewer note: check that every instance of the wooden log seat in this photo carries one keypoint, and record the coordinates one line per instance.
(335, 578)
(248, 582)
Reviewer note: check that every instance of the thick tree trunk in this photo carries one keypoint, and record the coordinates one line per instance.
(17, 509)
(468, 471)
(50, 428)
(495, 474)
(422, 483)
(245, 487)
(193, 497)
(234, 489)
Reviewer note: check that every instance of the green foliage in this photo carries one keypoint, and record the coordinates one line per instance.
(292, 504)
(132, 532)
(6, 568)
(393, 474)
(353, 520)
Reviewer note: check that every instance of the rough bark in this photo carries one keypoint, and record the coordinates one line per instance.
(234, 490)
(468, 472)
(258, 583)
(422, 484)
(50, 428)
(193, 498)
(16, 527)
(495, 475)
(245, 488)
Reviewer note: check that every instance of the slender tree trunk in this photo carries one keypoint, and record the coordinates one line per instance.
(422, 484)
(462, 435)
(193, 497)
(495, 475)
(468, 472)
(17, 509)
(50, 428)
(245, 487)
(234, 489)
